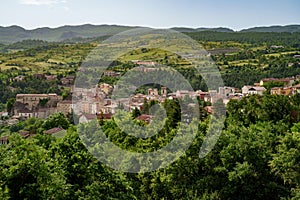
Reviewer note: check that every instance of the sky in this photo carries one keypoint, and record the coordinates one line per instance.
(234, 14)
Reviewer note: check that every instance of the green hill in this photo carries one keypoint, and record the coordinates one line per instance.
(288, 28)
(220, 29)
(13, 34)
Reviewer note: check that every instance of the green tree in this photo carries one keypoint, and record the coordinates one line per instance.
(10, 105)
(56, 120)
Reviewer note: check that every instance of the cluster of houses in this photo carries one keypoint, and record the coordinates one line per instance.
(90, 103)
(95, 100)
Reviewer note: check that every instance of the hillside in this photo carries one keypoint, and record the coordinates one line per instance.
(13, 34)
(278, 29)
(220, 29)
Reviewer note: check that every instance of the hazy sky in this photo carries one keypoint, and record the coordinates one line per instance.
(235, 14)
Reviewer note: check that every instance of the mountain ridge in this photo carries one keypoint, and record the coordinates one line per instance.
(14, 33)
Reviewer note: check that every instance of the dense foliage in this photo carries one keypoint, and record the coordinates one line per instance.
(256, 157)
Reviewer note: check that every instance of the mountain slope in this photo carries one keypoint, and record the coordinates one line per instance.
(15, 33)
(220, 29)
(288, 28)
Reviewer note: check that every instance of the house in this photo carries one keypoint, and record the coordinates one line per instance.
(65, 106)
(36, 105)
(209, 109)
(12, 121)
(275, 91)
(51, 77)
(225, 91)
(4, 140)
(296, 89)
(55, 131)
(103, 116)
(109, 107)
(24, 134)
(19, 78)
(296, 56)
(145, 63)
(111, 73)
(145, 118)
(286, 90)
(248, 90)
(207, 98)
(33, 100)
(84, 118)
(152, 92)
(277, 46)
(144, 69)
(25, 113)
(106, 88)
(285, 81)
(69, 80)
(201, 94)
(3, 114)
(137, 101)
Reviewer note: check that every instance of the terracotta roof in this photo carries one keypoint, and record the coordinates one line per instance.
(54, 130)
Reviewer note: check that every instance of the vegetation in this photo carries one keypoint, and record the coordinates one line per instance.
(256, 157)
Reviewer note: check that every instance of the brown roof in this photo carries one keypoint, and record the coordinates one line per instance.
(276, 79)
(4, 138)
(29, 95)
(105, 116)
(209, 109)
(54, 130)
(297, 86)
(89, 116)
(145, 118)
(24, 134)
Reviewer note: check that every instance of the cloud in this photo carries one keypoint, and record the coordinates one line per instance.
(41, 2)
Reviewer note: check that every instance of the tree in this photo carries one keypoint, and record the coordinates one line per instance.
(28, 171)
(56, 120)
(10, 105)
(135, 113)
(285, 162)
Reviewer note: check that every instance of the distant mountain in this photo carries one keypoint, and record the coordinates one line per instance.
(187, 30)
(278, 29)
(14, 34)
